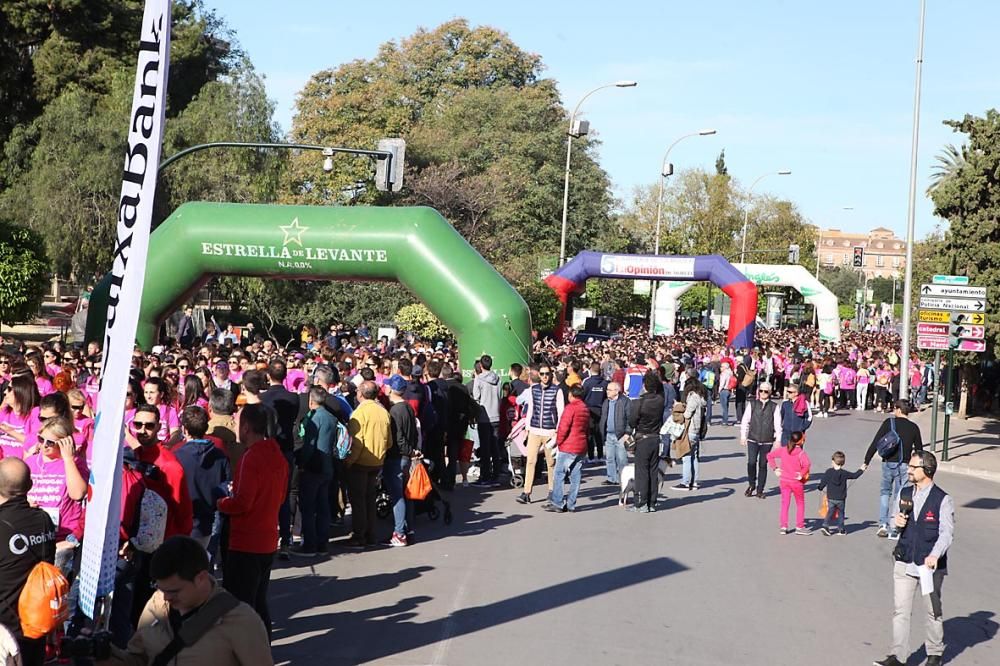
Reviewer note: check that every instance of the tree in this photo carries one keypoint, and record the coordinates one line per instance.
(23, 273)
(62, 156)
(720, 164)
(420, 321)
(969, 198)
(949, 163)
(843, 282)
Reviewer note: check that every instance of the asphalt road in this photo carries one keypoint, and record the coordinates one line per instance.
(707, 579)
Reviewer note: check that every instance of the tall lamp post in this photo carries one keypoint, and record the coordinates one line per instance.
(574, 131)
(666, 169)
(746, 210)
(904, 375)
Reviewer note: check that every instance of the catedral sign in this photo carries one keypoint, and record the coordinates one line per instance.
(289, 256)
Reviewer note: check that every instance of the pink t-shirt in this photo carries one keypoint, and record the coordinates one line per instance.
(44, 386)
(11, 447)
(48, 491)
(295, 379)
(168, 421)
(53, 370)
(91, 388)
(84, 437)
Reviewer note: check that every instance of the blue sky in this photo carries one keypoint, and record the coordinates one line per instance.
(823, 89)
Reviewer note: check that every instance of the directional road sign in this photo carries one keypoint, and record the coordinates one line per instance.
(950, 279)
(971, 345)
(932, 329)
(937, 316)
(932, 341)
(952, 291)
(953, 304)
(964, 331)
(976, 318)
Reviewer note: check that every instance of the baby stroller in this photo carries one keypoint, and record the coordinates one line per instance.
(428, 505)
(517, 453)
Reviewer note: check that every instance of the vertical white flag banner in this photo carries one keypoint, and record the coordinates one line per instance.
(135, 211)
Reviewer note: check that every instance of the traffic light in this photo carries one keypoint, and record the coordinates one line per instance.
(859, 257)
(793, 254)
(390, 178)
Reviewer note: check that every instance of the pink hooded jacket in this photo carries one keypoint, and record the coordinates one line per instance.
(792, 464)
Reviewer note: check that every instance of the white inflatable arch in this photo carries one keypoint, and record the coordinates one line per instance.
(763, 275)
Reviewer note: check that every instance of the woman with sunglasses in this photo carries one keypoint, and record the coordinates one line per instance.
(18, 409)
(83, 423)
(51, 359)
(235, 369)
(43, 380)
(58, 485)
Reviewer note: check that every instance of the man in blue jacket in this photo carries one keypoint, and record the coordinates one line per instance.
(594, 396)
(315, 461)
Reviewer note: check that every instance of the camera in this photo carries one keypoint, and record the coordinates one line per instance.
(93, 646)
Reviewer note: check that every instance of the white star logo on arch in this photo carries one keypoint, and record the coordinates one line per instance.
(293, 232)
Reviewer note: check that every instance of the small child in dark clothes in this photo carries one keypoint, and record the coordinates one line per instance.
(835, 482)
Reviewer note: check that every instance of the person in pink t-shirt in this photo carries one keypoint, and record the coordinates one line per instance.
(18, 409)
(58, 486)
(43, 380)
(155, 394)
(83, 424)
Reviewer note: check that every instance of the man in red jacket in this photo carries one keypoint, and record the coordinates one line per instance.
(258, 491)
(571, 441)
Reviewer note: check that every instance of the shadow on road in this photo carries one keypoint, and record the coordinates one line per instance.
(960, 634)
(376, 633)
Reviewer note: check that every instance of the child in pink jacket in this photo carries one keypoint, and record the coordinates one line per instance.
(792, 473)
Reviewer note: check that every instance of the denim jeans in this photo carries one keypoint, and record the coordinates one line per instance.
(314, 502)
(834, 506)
(689, 463)
(286, 513)
(724, 396)
(616, 456)
(572, 463)
(396, 472)
(893, 480)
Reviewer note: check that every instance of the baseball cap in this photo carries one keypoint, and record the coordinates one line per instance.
(396, 383)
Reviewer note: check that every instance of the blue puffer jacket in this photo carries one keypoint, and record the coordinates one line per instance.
(792, 422)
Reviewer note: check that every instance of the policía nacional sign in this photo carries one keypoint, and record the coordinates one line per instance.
(647, 267)
(294, 252)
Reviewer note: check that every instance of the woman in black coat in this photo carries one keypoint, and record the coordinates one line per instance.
(645, 420)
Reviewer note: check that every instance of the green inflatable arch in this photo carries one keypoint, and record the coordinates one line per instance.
(412, 245)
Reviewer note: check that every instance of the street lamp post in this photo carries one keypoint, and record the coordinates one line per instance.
(666, 169)
(746, 210)
(569, 148)
(904, 375)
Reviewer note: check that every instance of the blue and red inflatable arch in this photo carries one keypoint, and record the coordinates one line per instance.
(571, 279)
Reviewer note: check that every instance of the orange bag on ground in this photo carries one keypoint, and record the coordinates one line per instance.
(42, 605)
(823, 506)
(419, 485)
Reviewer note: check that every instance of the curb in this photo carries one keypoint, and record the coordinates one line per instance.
(986, 475)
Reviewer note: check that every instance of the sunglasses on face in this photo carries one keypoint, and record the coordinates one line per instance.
(151, 426)
(78, 408)
(183, 367)
(545, 374)
(47, 442)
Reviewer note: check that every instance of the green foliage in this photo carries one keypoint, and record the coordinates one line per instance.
(61, 165)
(847, 311)
(695, 299)
(420, 321)
(615, 298)
(23, 273)
(969, 198)
(542, 303)
(843, 282)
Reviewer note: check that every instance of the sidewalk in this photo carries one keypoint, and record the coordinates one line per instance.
(973, 444)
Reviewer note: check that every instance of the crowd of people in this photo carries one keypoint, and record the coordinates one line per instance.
(230, 438)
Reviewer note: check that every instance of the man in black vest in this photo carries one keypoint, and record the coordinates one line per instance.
(758, 429)
(926, 518)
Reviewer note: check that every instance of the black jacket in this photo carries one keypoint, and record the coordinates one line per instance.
(461, 407)
(835, 482)
(286, 408)
(403, 427)
(27, 537)
(621, 416)
(646, 414)
(909, 435)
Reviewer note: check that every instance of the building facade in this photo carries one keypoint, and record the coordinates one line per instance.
(884, 256)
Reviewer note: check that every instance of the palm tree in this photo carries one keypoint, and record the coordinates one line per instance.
(949, 162)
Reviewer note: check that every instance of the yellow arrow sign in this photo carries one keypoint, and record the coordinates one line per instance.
(937, 316)
(976, 318)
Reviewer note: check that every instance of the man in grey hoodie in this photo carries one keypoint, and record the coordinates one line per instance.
(486, 392)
